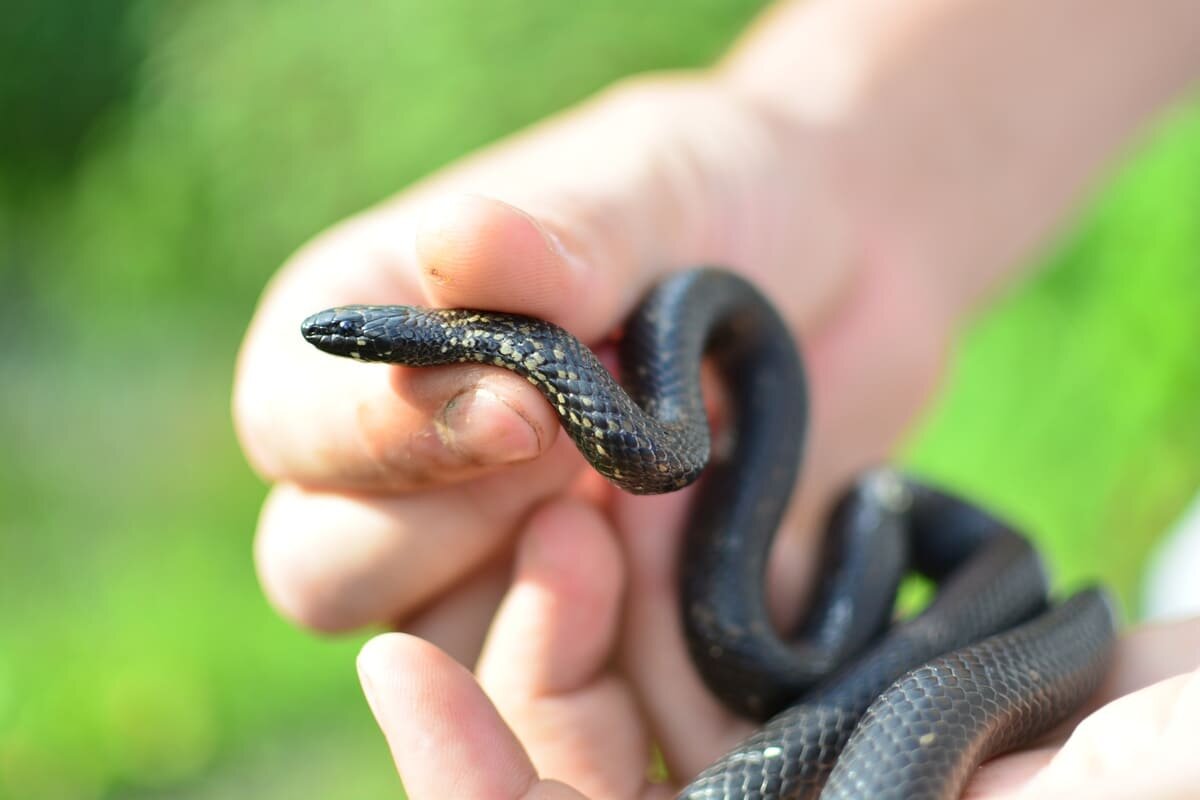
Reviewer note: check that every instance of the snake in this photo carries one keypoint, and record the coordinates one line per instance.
(858, 701)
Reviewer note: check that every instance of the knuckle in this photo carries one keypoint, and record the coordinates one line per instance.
(302, 594)
(299, 578)
(251, 423)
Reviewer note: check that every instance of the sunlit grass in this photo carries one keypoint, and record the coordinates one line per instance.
(1072, 405)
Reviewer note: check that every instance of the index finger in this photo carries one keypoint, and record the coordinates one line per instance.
(317, 420)
(582, 246)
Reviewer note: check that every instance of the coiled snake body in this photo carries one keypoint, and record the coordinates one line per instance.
(857, 707)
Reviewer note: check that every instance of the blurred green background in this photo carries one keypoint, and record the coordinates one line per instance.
(158, 160)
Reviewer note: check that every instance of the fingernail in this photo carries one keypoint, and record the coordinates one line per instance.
(555, 244)
(482, 428)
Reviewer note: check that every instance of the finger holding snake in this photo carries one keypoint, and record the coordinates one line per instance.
(577, 246)
(430, 708)
(813, 143)
(996, 668)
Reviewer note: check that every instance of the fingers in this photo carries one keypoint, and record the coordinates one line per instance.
(335, 561)
(634, 184)
(546, 662)
(1141, 745)
(1151, 653)
(1146, 715)
(592, 209)
(546, 668)
(458, 619)
(445, 737)
(1003, 778)
(480, 252)
(566, 590)
(594, 206)
(311, 418)
(687, 721)
(862, 403)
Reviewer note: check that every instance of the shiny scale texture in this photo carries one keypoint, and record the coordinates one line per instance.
(816, 685)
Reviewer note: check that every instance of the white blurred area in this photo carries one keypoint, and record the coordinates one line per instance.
(1173, 577)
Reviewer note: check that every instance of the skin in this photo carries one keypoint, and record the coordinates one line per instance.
(563, 721)
(832, 160)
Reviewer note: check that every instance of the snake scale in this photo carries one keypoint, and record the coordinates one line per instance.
(857, 705)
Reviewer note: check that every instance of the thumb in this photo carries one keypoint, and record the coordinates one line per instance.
(574, 219)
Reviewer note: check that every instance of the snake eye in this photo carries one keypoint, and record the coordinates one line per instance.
(347, 327)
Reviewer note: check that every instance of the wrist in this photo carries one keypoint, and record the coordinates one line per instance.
(829, 69)
(965, 131)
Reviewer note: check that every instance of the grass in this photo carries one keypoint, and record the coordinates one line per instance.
(1072, 406)
(138, 658)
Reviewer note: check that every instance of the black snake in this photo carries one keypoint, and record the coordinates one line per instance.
(857, 706)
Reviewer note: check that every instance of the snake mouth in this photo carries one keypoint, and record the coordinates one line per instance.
(336, 330)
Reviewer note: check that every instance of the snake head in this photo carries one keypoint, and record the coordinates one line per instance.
(346, 331)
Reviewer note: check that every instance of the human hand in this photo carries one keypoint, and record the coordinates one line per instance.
(563, 722)
(398, 491)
